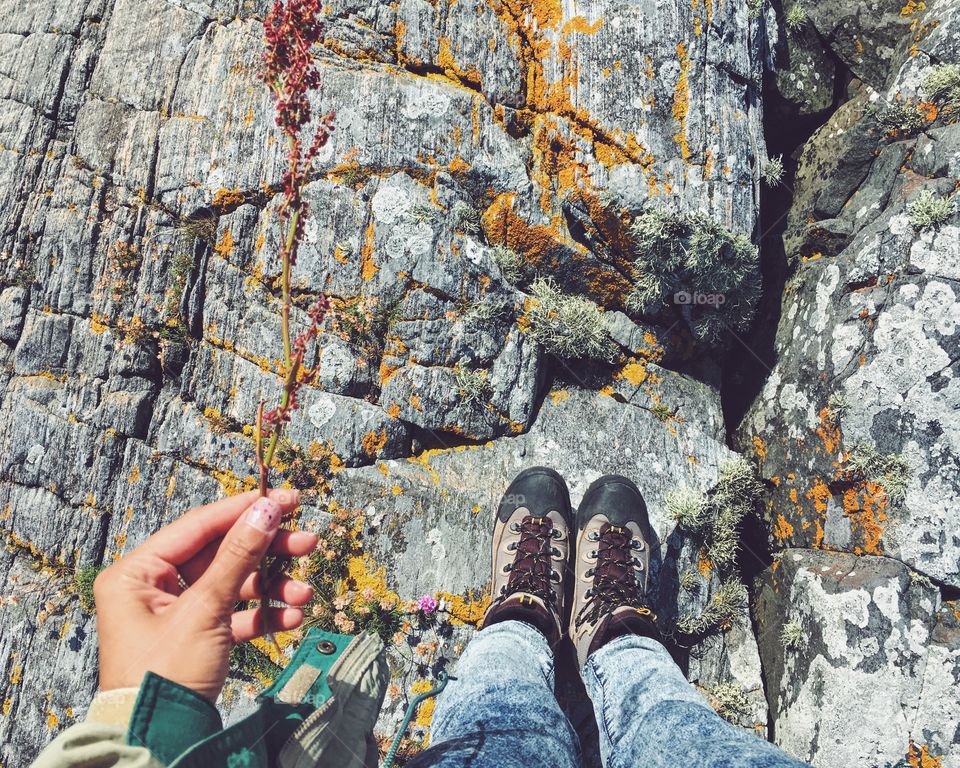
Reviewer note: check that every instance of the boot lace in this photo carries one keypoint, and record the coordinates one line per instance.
(532, 571)
(614, 582)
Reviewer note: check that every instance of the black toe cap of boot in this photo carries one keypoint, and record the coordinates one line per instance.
(616, 497)
(540, 490)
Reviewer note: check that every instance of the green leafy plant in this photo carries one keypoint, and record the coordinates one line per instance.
(567, 326)
(772, 171)
(83, 583)
(693, 263)
(930, 211)
(891, 471)
(791, 636)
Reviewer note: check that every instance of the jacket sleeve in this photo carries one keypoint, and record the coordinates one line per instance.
(99, 741)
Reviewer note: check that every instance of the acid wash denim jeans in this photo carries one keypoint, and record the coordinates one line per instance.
(500, 712)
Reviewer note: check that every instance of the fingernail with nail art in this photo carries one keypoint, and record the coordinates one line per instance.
(264, 515)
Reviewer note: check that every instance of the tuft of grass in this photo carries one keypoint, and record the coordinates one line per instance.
(796, 18)
(472, 385)
(737, 492)
(568, 326)
(689, 508)
(723, 610)
(511, 264)
(424, 213)
(890, 471)
(680, 257)
(791, 636)
(25, 276)
(771, 171)
(83, 583)
(930, 211)
(307, 469)
(253, 665)
(202, 227)
(464, 218)
(729, 700)
(901, 119)
(942, 83)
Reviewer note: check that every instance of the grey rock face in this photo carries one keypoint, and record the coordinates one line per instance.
(872, 641)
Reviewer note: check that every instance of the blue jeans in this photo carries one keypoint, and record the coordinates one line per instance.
(500, 712)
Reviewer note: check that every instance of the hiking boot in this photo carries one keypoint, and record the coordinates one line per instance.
(611, 567)
(531, 545)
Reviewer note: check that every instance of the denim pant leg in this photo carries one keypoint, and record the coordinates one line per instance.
(501, 712)
(649, 715)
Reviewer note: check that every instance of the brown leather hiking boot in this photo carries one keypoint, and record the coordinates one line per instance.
(612, 566)
(531, 545)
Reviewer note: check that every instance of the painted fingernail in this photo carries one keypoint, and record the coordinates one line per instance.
(264, 515)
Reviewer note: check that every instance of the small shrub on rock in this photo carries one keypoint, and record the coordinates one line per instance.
(472, 385)
(901, 119)
(510, 262)
(723, 610)
(930, 211)
(942, 83)
(568, 326)
(890, 471)
(791, 636)
(464, 218)
(691, 261)
(796, 18)
(772, 171)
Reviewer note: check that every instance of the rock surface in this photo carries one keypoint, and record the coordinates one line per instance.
(139, 326)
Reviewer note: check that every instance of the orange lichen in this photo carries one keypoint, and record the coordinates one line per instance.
(782, 530)
(865, 506)
(465, 609)
(367, 266)
(225, 200)
(759, 447)
(393, 411)
(374, 442)
(920, 757)
(635, 373)
(559, 395)
(681, 101)
(828, 431)
(704, 564)
(225, 247)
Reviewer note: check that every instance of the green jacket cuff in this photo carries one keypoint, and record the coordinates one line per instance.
(169, 718)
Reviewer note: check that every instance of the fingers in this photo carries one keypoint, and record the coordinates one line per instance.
(255, 622)
(240, 553)
(184, 538)
(285, 590)
(286, 543)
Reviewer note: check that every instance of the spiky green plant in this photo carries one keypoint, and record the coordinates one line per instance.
(729, 700)
(690, 580)
(83, 583)
(772, 171)
(942, 83)
(791, 636)
(891, 471)
(464, 218)
(930, 211)
(725, 608)
(568, 326)
(695, 263)
(795, 18)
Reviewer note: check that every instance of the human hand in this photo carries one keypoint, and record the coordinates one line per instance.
(146, 623)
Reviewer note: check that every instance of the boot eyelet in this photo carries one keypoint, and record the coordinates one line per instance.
(592, 555)
(508, 567)
(515, 527)
(555, 577)
(638, 564)
(589, 573)
(556, 552)
(512, 547)
(556, 533)
(588, 593)
(593, 536)
(636, 544)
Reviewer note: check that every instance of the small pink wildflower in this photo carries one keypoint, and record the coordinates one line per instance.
(427, 604)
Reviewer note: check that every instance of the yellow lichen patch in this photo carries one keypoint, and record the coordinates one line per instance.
(53, 722)
(16, 675)
(225, 200)
(396, 490)
(759, 447)
(782, 530)
(274, 651)
(7, 704)
(415, 402)
(374, 442)
(445, 59)
(559, 395)
(364, 576)
(635, 373)
(134, 476)
(393, 411)
(865, 506)
(225, 246)
(580, 25)
(607, 391)
(681, 101)
(920, 757)
(99, 323)
(171, 486)
(913, 6)
(367, 266)
(466, 609)
(828, 431)
(231, 484)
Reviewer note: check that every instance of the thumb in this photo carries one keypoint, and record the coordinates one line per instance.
(241, 551)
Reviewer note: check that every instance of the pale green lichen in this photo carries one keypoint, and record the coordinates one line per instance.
(891, 471)
(510, 263)
(737, 492)
(930, 211)
(729, 700)
(942, 83)
(690, 581)
(464, 218)
(795, 18)
(689, 508)
(472, 385)
(568, 326)
(900, 118)
(791, 636)
(837, 405)
(83, 584)
(724, 609)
